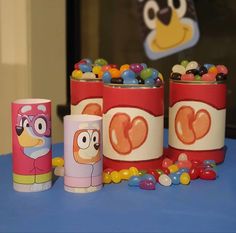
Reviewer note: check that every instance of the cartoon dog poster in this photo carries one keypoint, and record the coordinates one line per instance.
(170, 26)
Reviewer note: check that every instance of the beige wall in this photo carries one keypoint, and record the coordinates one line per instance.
(32, 58)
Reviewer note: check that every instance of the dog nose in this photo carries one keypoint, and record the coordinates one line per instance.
(19, 130)
(96, 146)
(164, 15)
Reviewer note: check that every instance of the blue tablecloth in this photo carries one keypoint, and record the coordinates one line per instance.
(207, 206)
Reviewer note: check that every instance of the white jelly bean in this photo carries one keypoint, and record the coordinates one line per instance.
(182, 157)
(178, 69)
(192, 65)
(165, 180)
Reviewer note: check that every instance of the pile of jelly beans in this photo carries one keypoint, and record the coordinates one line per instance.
(192, 71)
(135, 74)
(86, 69)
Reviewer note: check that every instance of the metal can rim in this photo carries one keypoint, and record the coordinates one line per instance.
(198, 82)
(133, 86)
(86, 79)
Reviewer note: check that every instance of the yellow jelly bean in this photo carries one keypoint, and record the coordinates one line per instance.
(185, 178)
(77, 74)
(213, 69)
(133, 171)
(106, 178)
(115, 177)
(58, 162)
(115, 73)
(173, 168)
(97, 69)
(124, 174)
(161, 77)
(124, 67)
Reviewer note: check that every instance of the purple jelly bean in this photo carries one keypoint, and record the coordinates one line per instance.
(149, 177)
(147, 185)
(137, 68)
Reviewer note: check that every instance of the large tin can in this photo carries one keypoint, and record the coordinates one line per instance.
(197, 112)
(86, 96)
(133, 126)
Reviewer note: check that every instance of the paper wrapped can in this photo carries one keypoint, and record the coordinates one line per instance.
(31, 145)
(82, 153)
(86, 96)
(132, 126)
(197, 112)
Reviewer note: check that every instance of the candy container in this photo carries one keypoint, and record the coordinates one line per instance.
(197, 111)
(86, 87)
(82, 153)
(31, 145)
(133, 119)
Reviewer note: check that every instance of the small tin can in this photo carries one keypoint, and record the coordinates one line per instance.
(82, 153)
(86, 96)
(197, 112)
(132, 126)
(31, 145)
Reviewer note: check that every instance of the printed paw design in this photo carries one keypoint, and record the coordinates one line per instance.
(191, 126)
(92, 109)
(126, 135)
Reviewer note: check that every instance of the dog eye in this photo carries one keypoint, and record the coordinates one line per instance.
(40, 125)
(83, 140)
(149, 13)
(180, 6)
(95, 137)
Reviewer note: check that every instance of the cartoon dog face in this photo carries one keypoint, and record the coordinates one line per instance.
(170, 26)
(86, 146)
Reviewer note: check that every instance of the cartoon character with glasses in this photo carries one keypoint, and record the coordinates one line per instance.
(86, 152)
(33, 130)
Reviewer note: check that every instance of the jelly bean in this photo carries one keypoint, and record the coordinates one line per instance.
(184, 164)
(124, 67)
(165, 170)
(174, 178)
(77, 74)
(153, 173)
(144, 65)
(106, 178)
(147, 185)
(133, 171)
(117, 80)
(140, 80)
(113, 66)
(182, 157)
(115, 177)
(208, 66)
(165, 180)
(158, 82)
(76, 66)
(96, 69)
(134, 181)
(182, 170)
(194, 173)
(128, 74)
(184, 63)
(57, 162)
(222, 69)
(88, 75)
(115, 73)
(210, 162)
(213, 70)
(187, 77)
(192, 71)
(142, 172)
(137, 68)
(150, 81)
(149, 177)
(100, 62)
(195, 163)
(208, 174)
(173, 168)
(154, 73)
(88, 61)
(106, 77)
(85, 68)
(192, 65)
(159, 171)
(108, 170)
(208, 77)
(197, 78)
(124, 174)
(166, 162)
(202, 70)
(175, 76)
(184, 178)
(160, 76)
(178, 69)
(59, 171)
(146, 73)
(130, 81)
(221, 77)
(106, 68)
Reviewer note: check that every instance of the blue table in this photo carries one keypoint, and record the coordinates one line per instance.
(207, 206)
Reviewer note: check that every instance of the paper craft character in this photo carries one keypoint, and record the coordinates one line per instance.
(32, 163)
(86, 152)
(169, 26)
